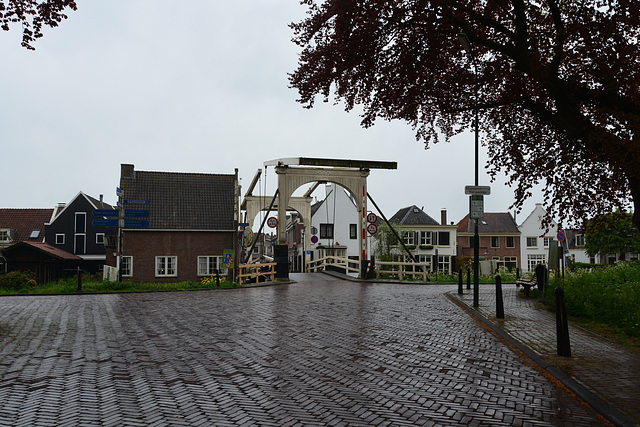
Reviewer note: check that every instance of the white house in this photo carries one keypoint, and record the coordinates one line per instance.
(535, 239)
(334, 225)
(430, 241)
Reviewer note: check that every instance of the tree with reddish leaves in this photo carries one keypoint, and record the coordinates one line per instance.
(559, 85)
(32, 16)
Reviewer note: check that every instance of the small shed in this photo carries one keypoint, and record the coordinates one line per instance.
(45, 261)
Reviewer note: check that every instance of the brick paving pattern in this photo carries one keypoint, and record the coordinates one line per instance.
(609, 371)
(322, 351)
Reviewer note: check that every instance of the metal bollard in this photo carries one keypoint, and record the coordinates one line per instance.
(460, 281)
(217, 278)
(562, 324)
(499, 302)
(468, 278)
(79, 280)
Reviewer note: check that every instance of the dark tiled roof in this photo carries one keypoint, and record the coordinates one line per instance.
(412, 215)
(24, 221)
(493, 222)
(183, 201)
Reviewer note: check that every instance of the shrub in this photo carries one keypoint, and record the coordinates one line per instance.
(609, 295)
(17, 280)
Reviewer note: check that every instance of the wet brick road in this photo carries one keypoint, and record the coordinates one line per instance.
(318, 352)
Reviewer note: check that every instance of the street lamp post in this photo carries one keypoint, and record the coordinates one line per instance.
(464, 40)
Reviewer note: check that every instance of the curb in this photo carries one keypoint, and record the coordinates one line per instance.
(600, 406)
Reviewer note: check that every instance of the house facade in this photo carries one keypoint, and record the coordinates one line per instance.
(192, 224)
(430, 241)
(71, 230)
(45, 262)
(499, 240)
(334, 225)
(21, 225)
(536, 239)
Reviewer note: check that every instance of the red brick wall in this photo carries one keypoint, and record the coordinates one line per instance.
(485, 246)
(144, 246)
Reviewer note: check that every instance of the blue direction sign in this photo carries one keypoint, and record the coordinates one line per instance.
(136, 223)
(135, 213)
(136, 202)
(105, 222)
(105, 212)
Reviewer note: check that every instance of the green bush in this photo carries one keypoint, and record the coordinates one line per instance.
(17, 280)
(608, 295)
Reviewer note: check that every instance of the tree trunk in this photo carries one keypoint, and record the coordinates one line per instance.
(634, 186)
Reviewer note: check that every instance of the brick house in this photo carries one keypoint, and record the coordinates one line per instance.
(21, 225)
(193, 218)
(499, 239)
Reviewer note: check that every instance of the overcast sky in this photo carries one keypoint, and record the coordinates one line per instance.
(195, 87)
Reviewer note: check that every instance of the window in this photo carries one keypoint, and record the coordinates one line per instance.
(127, 266)
(510, 262)
(59, 239)
(443, 238)
(532, 242)
(326, 231)
(511, 242)
(409, 238)
(166, 266)
(425, 238)
(81, 222)
(579, 240)
(5, 236)
(35, 233)
(353, 231)
(443, 263)
(547, 241)
(533, 260)
(471, 241)
(99, 238)
(495, 241)
(207, 265)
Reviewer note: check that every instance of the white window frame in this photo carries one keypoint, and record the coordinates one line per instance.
(532, 246)
(444, 263)
(127, 270)
(58, 242)
(166, 260)
(326, 231)
(99, 238)
(210, 272)
(426, 238)
(534, 260)
(579, 240)
(546, 241)
(409, 238)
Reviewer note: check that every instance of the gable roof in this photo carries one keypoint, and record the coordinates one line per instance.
(24, 221)
(412, 215)
(97, 204)
(182, 201)
(493, 222)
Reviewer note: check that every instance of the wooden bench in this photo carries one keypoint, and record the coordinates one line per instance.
(527, 284)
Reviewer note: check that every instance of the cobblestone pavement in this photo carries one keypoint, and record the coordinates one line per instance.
(322, 351)
(607, 370)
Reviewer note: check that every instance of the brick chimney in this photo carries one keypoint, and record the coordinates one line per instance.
(127, 171)
(443, 217)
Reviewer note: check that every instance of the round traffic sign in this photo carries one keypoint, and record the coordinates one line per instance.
(372, 228)
(371, 217)
(272, 222)
(561, 236)
(314, 239)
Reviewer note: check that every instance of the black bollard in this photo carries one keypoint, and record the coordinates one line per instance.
(79, 280)
(499, 302)
(517, 273)
(562, 324)
(217, 278)
(468, 278)
(460, 281)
